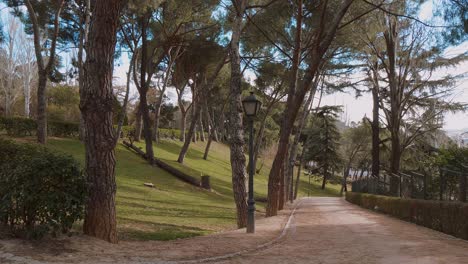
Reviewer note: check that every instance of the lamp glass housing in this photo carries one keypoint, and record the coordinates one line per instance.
(251, 105)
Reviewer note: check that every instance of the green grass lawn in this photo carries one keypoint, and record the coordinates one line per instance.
(175, 209)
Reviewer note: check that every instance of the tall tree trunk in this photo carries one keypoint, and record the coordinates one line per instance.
(259, 139)
(298, 177)
(83, 39)
(27, 90)
(345, 176)
(214, 125)
(42, 109)
(222, 127)
(194, 118)
(27, 101)
(211, 129)
(391, 40)
(274, 180)
(145, 77)
(138, 125)
(96, 106)
(183, 121)
(325, 175)
(193, 123)
(295, 98)
(146, 127)
(123, 113)
(281, 199)
(196, 108)
(161, 96)
(157, 114)
(236, 129)
(43, 69)
(295, 144)
(200, 127)
(261, 131)
(395, 157)
(375, 126)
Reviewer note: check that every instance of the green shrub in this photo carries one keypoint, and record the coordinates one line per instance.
(41, 191)
(443, 216)
(63, 129)
(126, 131)
(18, 126)
(169, 133)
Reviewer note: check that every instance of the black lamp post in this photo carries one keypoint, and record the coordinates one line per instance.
(251, 107)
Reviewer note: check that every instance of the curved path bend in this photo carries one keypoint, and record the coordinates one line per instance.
(331, 230)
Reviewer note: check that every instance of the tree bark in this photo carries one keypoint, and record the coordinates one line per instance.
(391, 40)
(236, 129)
(145, 77)
(96, 106)
(274, 180)
(193, 123)
(200, 126)
(138, 125)
(298, 177)
(375, 125)
(157, 114)
(211, 129)
(43, 68)
(161, 96)
(183, 121)
(282, 199)
(83, 39)
(325, 174)
(146, 127)
(42, 109)
(295, 98)
(295, 144)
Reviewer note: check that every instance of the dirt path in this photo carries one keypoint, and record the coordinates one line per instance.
(330, 230)
(323, 230)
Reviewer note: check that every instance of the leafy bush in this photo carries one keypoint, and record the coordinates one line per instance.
(40, 191)
(169, 133)
(166, 133)
(18, 126)
(126, 131)
(447, 217)
(63, 129)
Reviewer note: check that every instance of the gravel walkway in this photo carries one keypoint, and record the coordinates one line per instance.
(330, 230)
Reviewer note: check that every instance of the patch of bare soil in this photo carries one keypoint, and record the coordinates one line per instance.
(84, 249)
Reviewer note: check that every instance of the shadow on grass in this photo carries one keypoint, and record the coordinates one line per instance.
(165, 202)
(146, 230)
(174, 148)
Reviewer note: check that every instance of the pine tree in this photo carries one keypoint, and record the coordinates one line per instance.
(322, 146)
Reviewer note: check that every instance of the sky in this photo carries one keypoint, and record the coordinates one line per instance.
(356, 108)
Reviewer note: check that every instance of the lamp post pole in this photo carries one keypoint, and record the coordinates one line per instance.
(251, 201)
(251, 106)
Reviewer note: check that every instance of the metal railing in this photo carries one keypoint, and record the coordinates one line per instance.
(449, 184)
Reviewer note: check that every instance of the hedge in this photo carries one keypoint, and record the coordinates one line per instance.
(447, 217)
(20, 126)
(41, 191)
(166, 133)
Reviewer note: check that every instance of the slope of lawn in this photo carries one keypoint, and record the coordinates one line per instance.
(175, 209)
(219, 168)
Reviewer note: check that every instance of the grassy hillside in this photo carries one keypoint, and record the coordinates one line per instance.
(175, 209)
